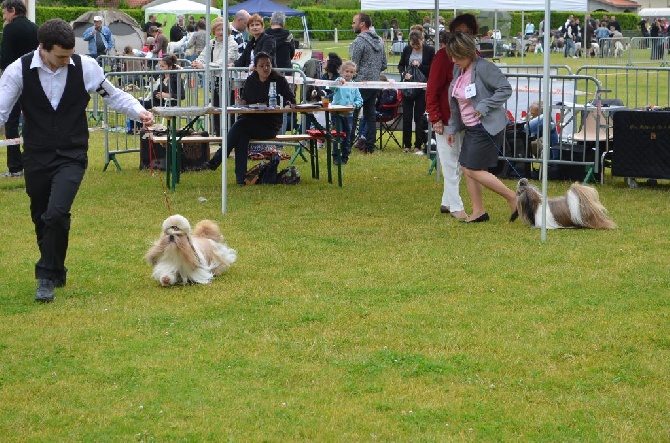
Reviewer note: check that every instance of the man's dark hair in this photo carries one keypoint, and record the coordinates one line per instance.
(468, 20)
(56, 32)
(365, 18)
(17, 5)
(262, 54)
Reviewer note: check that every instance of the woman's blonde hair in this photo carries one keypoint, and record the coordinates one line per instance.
(461, 46)
(215, 24)
(415, 37)
(347, 64)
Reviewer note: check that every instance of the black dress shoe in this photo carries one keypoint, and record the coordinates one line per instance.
(45, 290)
(444, 209)
(59, 282)
(514, 215)
(482, 218)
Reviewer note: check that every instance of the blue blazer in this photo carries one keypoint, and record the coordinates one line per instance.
(492, 91)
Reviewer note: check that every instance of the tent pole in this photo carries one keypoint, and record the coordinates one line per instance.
(308, 43)
(224, 94)
(546, 111)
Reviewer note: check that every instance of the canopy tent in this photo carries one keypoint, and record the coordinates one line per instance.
(654, 12)
(180, 7)
(265, 8)
(125, 29)
(502, 5)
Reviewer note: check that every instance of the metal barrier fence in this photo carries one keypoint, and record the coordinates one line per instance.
(122, 137)
(635, 86)
(569, 97)
(632, 51)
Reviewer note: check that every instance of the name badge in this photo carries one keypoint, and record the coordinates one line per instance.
(470, 90)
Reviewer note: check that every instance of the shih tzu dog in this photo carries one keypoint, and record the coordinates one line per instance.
(181, 256)
(580, 207)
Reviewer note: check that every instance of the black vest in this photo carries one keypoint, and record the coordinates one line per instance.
(48, 132)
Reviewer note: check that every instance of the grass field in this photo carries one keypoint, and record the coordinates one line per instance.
(353, 314)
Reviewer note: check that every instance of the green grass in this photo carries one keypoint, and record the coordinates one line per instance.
(353, 314)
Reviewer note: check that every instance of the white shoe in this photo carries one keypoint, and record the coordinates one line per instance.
(418, 152)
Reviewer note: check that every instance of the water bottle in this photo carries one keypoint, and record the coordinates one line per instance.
(272, 102)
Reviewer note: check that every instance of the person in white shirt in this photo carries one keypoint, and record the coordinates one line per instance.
(53, 86)
(216, 55)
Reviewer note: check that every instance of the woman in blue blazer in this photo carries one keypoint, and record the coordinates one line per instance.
(477, 97)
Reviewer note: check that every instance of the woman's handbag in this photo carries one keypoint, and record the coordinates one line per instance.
(417, 76)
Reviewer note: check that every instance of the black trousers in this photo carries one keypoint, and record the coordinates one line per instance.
(413, 109)
(239, 135)
(14, 160)
(52, 189)
(370, 115)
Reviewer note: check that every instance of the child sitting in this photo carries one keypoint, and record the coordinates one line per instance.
(345, 122)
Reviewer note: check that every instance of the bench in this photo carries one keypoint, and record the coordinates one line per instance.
(298, 140)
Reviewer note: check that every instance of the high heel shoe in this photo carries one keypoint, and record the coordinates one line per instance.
(482, 218)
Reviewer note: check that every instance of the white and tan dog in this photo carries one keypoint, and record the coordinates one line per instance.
(580, 207)
(181, 256)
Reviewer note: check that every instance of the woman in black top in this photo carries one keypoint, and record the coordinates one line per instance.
(170, 90)
(259, 42)
(257, 126)
(414, 103)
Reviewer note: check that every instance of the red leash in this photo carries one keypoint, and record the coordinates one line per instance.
(152, 159)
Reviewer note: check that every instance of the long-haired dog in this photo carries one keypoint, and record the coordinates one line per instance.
(580, 207)
(180, 256)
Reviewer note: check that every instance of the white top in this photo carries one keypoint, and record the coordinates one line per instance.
(53, 84)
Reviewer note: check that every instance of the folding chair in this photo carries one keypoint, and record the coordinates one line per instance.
(389, 118)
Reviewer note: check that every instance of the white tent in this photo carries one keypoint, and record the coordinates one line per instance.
(654, 12)
(492, 5)
(180, 7)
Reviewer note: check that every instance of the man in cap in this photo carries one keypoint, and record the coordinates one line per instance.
(99, 38)
(19, 37)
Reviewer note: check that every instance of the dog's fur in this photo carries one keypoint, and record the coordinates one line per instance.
(580, 207)
(181, 256)
(618, 49)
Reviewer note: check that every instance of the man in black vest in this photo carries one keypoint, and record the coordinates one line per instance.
(53, 86)
(19, 37)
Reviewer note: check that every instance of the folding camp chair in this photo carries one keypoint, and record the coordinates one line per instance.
(389, 118)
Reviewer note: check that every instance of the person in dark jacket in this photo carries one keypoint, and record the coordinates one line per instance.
(285, 47)
(258, 126)
(420, 56)
(19, 38)
(260, 41)
(178, 30)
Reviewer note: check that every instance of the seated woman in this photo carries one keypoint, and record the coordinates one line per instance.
(258, 126)
(535, 124)
(170, 89)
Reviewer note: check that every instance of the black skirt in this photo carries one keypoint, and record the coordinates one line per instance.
(480, 150)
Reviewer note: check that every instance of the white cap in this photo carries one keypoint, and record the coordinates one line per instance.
(97, 18)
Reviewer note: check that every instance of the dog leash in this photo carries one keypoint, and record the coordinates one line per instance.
(502, 154)
(152, 158)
